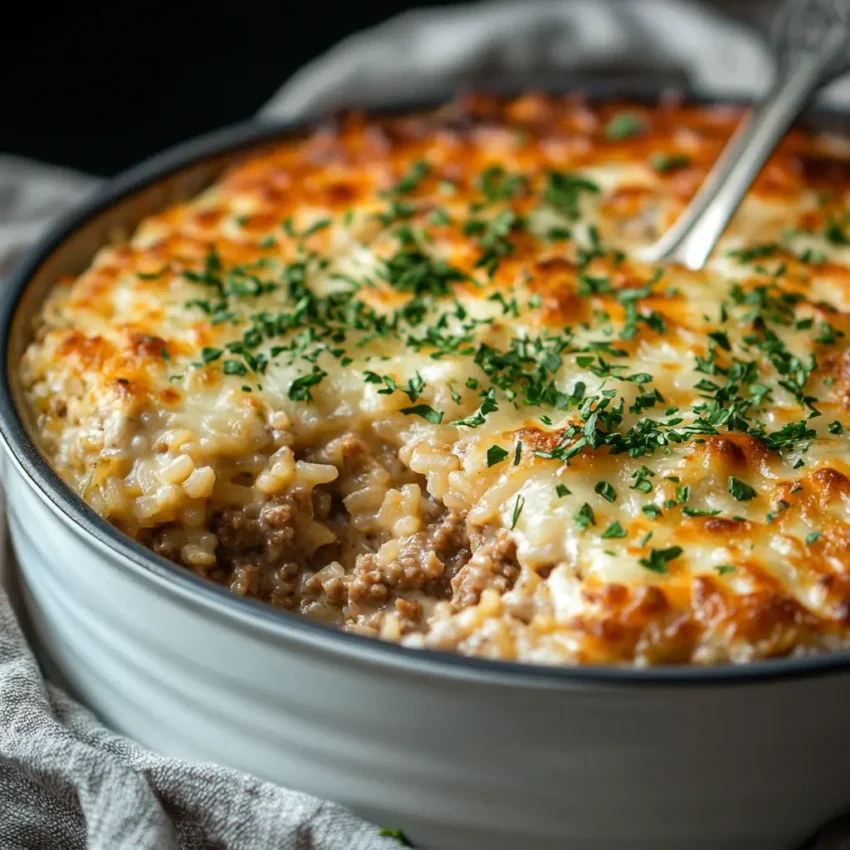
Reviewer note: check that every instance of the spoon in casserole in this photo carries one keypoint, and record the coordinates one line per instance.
(811, 41)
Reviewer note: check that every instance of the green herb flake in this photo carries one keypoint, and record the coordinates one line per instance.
(642, 483)
(723, 569)
(836, 231)
(741, 491)
(488, 406)
(152, 275)
(563, 191)
(435, 417)
(811, 256)
(518, 506)
(623, 125)
(208, 355)
(604, 489)
(496, 454)
(584, 517)
(234, 367)
(498, 185)
(397, 834)
(562, 490)
(658, 559)
(687, 511)
(316, 226)
(652, 512)
(757, 252)
(411, 180)
(664, 162)
(613, 530)
(299, 389)
(812, 537)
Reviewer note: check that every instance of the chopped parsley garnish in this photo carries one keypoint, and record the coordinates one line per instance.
(688, 511)
(299, 389)
(812, 537)
(208, 355)
(563, 191)
(397, 834)
(836, 231)
(518, 506)
(315, 227)
(669, 162)
(583, 378)
(642, 483)
(604, 489)
(741, 491)
(613, 530)
(810, 255)
(496, 454)
(757, 252)
(435, 417)
(497, 185)
(411, 180)
(584, 517)
(658, 559)
(494, 238)
(488, 406)
(723, 569)
(152, 275)
(416, 272)
(623, 125)
(234, 367)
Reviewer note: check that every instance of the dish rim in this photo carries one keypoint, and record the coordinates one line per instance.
(260, 617)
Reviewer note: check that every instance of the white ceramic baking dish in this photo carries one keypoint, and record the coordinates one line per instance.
(461, 754)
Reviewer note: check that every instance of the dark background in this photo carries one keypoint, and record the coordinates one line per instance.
(100, 85)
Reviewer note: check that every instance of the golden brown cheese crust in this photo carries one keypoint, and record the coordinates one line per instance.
(405, 375)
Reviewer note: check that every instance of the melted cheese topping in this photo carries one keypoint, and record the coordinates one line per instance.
(646, 464)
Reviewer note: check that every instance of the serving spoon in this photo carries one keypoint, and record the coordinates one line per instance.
(811, 42)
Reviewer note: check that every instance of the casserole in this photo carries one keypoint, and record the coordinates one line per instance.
(502, 754)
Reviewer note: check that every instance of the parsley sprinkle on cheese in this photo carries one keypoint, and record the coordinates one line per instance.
(420, 359)
(496, 454)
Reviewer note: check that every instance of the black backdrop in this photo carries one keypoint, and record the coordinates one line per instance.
(100, 85)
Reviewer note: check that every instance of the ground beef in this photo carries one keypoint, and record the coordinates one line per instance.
(493, 564)
(450, 543)
(415, 567)
(260, 554)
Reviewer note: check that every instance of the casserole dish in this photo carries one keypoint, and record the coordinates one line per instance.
(459, 753)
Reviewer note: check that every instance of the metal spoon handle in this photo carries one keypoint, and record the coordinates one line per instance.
(691, 239)
(807, 57)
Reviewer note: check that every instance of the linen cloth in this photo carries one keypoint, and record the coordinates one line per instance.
(66, 782)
